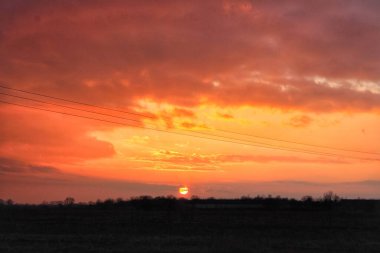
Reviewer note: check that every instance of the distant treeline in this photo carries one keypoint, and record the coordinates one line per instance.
(329, 200)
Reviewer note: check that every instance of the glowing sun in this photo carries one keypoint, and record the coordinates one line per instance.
(183, 190)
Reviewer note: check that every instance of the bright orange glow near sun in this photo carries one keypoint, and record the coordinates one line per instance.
(183, 190)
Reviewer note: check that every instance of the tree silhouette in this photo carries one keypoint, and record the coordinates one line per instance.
(307, 199)
(9, 202)
(330, 197)
(69, 201)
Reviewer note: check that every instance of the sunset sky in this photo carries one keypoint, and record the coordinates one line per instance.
(289, 87)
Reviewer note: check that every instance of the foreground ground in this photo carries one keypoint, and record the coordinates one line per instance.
(168, 225)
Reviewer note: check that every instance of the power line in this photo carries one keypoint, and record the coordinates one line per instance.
(208, 134)
(182, 134)
(160, 130)
(76, 102)
(69, 107)
(219, 130)
(299, 143)
(213, 135)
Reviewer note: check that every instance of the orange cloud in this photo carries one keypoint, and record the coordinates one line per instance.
(48, 138)
(191, 125)
(169, 116)
(180, 112)
(195, 160)
(31, 183)
(225, 115)
(269, 158)
(300, 121)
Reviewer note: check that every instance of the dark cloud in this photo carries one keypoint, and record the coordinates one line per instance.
(116, 52)
(31, 183)
(297, 189)
(19, 167)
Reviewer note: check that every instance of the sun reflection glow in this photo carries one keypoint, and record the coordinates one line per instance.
(183, 190)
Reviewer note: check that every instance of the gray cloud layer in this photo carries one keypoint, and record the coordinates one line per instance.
(263, 53)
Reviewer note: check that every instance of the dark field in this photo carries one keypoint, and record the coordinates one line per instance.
(170, 225)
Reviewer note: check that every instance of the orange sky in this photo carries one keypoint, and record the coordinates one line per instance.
(289, 70)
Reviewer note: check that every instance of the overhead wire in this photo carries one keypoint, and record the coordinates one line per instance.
(298, 143)
(189, 135)
(76, 102)
(215, 129)
(188, 130)
(124, 124)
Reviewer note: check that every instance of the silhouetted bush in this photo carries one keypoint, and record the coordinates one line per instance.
(330, 197)
(307, 199)
(69, 201)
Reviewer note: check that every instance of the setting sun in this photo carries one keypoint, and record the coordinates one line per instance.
(183, 190)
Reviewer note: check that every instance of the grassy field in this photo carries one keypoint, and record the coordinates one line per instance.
(192, 226)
